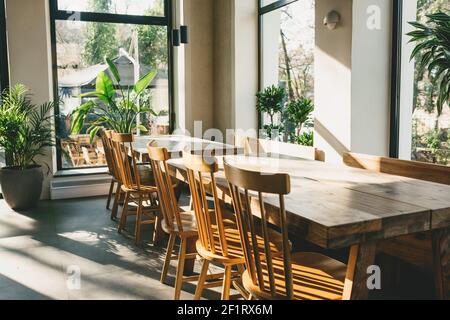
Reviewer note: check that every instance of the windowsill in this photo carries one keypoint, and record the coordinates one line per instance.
(80, 172)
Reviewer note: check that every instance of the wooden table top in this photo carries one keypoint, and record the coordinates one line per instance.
(175, 144)
(337, 206)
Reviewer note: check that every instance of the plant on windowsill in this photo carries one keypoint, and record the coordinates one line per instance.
(114, 107)
(298, 112)
(433, 45)
(25, 133)
(271, 101)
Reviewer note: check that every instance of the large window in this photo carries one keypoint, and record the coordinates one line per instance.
(135, 35)
(287, 42)
(430, 134)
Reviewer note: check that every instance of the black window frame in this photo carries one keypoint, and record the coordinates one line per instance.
(4, 61)
(57, 14)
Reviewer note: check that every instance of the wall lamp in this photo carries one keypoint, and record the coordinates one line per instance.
(180, 36)
(332, 19)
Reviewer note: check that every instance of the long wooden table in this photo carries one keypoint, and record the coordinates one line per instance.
(337, 206)
(176, 144)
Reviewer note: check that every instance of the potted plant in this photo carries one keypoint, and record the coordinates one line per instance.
(433, 46)
(115, 107)
(298, 112)
(25, 131)
(271, 102)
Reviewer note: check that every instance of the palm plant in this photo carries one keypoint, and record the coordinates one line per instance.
(433, 44)
(25, 129)
(115, 109)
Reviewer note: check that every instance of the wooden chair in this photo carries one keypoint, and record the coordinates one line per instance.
(175, 223)
(287, 276)
(218, 235)
(135, 191)
(415, 249)
(113, 172)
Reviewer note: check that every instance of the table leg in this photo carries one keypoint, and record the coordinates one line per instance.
(361, 257)
(189, 263)
(441, 257)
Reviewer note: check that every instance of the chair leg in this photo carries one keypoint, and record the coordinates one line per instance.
(201, 280)
(226, 283)
(180, 269)
(116, 202)
(138, 221)
(123, 217)
(169, 252)
(110, 193)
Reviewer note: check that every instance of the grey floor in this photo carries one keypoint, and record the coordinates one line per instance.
(71, 250)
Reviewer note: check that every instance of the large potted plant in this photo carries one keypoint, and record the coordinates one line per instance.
(113, 106)
(25, 132)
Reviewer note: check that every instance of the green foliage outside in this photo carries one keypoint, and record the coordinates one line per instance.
(101, 38)
(432, 81)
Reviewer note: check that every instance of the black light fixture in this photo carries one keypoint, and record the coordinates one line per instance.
(176, 37)
(184, 34)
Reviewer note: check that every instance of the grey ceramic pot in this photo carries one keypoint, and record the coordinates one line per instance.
(21, 188)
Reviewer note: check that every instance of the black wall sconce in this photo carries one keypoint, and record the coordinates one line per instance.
(176, 37)
(184, 34)
(180, 36)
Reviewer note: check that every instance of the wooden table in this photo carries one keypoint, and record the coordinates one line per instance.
(337, 207)
(176, 144)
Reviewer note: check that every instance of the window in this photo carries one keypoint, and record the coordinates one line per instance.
(427, 127)
(287, 42)
(135, 35)
(4, 72)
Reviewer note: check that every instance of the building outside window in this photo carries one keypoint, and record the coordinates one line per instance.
(134, 34)
(287, 42)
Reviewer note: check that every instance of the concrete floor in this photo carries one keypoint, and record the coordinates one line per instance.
(43, 250)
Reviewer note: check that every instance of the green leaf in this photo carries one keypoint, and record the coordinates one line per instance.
(105, 86)
(93, 132)
(113, 69)
(144, 82)
(79, 116)
(142, 128)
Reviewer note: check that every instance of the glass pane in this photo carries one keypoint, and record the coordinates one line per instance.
(288, 42)
(431, 134)
(267, 2)
(81, 47)
(131, 7)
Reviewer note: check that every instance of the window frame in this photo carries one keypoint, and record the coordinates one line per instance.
(4, 61)
(57, 14)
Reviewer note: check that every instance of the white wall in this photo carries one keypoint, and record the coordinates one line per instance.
(30, 55)
(371, 73)
(245, 64)
(333, 80)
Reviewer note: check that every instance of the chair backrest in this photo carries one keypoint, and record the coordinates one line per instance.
(200, 171)
(125, 159)
(107, 149)
(166, 193)
(242, 183)
(410, 169)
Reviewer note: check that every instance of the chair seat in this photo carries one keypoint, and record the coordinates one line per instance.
(315, 277)
(188, 222)
(235, 252)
